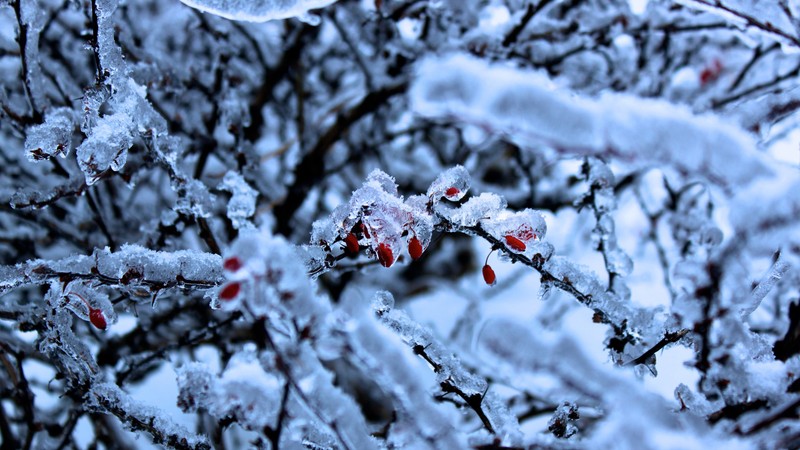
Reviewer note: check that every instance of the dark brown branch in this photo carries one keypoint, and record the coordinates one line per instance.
(23, 44)
(42, 274)
(758, 87)
(191, 339)
(101, 223)
(208, 236)
(273, 76)
(669, 338)
(311, 168)
(531, 11)
(733, 412)
(101, 74)
(474, 401)
(752, 21)
(758, 53)
(37, 201)
(147, 424)
(788, 412)
(538, 265)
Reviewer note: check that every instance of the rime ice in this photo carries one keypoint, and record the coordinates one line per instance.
(257, 10)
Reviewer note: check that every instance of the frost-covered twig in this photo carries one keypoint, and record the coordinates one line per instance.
(757, 88)
(669, 338)
(131, 265)
(752, 21)
(768, 281)
(28, 43)
(110, 399)
(563, 283)
(652, 235)
(531, 110)
(452, 376)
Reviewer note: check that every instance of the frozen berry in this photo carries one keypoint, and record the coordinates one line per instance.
(232, 264)
(385, 255)
(515, 243)
(351, 241)
(451, 192)
(415, 248)
(97, 318)
(230, 291)
(488, 275)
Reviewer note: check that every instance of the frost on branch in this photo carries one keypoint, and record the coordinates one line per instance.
(242, 204)
(131, 266)
(451, 374)
(109, 398)
(531, 109)
(162, 167)
(508, 343)
(380, 220)
(244, 391)
(258, 10)
(53, 137)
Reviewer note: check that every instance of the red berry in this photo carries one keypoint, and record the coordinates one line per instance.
(488, 275)
(230, 291)
(351, 241)
(706, 76)
(711, 72)
(365, 230)
(385, 255)
(97, 319)
(515, 243)
(415, 248)
(452, 192)
(232, 264)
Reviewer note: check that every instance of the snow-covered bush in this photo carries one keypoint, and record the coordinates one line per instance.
(494, 224)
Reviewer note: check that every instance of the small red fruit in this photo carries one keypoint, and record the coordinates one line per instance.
(415, 248)
(365, 230)
(232, 264)
(230, 291)
(488, 275)
(515, 243)
(452, 192)
(385, 255)
(97, 319)
(351, 241)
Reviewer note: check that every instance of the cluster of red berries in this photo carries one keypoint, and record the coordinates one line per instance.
(231, 289)
(384, 251)
(516, 243)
